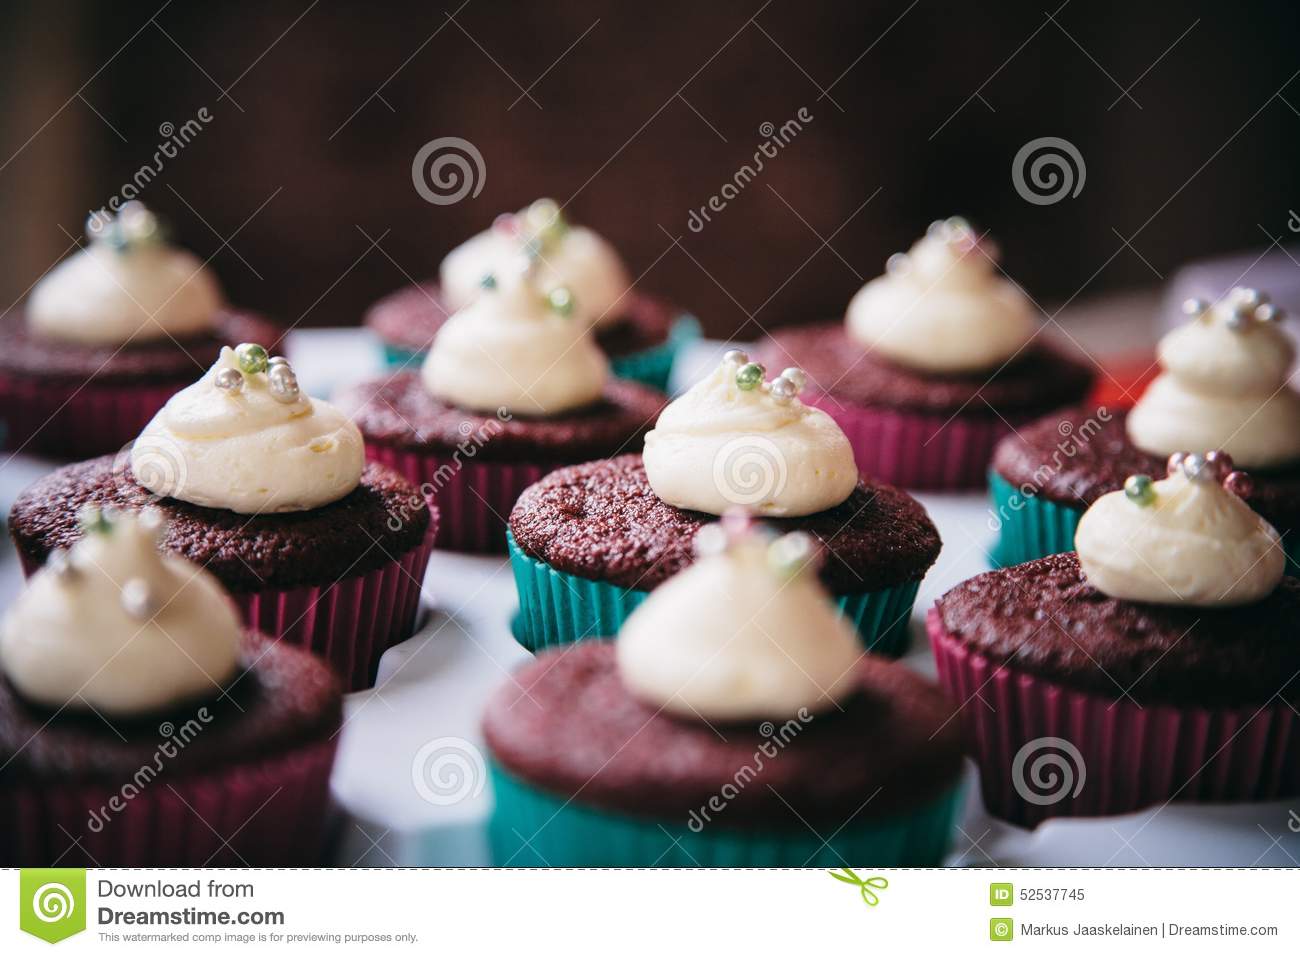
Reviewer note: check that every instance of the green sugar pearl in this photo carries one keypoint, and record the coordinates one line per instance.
(560, 300)
(1140, 490)
(749, 376)
(251, 357)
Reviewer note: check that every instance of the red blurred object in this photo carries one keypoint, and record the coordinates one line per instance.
(1123, 379)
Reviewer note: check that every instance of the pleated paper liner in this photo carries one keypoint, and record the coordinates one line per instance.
(556, 608)
(1045, 750)
(269, 811)
(1032, 526)
(473, 497)
(71, 420)
(918, 450)
(349, 623)
(531, 828)
(650, 367)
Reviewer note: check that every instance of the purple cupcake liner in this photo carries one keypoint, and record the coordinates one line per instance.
(473, 498)
(1046, 750)
(70, 420)
(269, 811)
(918, 450)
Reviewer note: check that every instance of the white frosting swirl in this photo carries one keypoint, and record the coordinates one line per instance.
(942, 307)
(1194, 543)
(139, 289)
(732, 638)
(1223, 387)
(719, 446)
(246, 451)
(117, 627)
(510, 350)
(573, 257)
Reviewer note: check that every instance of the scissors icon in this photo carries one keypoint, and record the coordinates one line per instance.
(869, 896)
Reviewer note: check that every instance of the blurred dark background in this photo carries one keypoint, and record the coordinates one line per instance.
(1185, 115)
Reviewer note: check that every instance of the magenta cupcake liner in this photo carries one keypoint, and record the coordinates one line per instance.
(473, 498)
(270, 811)
(918, 450)
(1045, 750)
(71, 420)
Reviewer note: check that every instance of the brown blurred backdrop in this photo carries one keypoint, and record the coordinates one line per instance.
(634, 114)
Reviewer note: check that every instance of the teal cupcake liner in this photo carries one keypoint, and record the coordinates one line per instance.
(651, 367)
(530, 828)
(1032, 527)
(556, 608)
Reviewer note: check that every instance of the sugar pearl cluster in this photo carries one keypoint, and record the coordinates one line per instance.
(787, 555)
(252, 359)
(956, 232)
(784, 389)
(1215, 466)
(136, 596)
(537, 230)
(1240, 309)
(133, 226)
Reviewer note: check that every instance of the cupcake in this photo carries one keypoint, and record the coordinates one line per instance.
(640, 333)
(935, 361)
(1157, 664)
(141, 726)
(703, 735)
(269, 490)
(108, 336)
(1223, 385)
(513, 388)
(588, 543)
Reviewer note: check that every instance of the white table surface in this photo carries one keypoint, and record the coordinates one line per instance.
(432, 688)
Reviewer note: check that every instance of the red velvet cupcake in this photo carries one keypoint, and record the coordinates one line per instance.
(641, 334)
(108, 336)
(1157, 664)
(935, 362)
(140, 726)
(513, 388)
(270, 491)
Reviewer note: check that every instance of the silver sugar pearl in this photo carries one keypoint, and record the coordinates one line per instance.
(228, 379)
(797, 376)
(1194, 306)
(897, 264)
(274, 361)
(1236, 320)
(791, 553)
(1195, 467)
(1267, 312)
(283, 384)
(937, 230)
(1248, 297)
(1175, 462)
(138, 600)
(60, 565)
(710, 540)
(736, 357)
(783, 390)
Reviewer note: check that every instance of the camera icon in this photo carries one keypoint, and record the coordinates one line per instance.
(1001, 928)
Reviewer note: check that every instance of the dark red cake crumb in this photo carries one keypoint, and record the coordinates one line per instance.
(280, 697)
(566, 724)
(601, 520)
(1039, 379)
(1076, 456)
(367, 528)
(156, 360)
(398, 411)
(410, 317)
(1044, 618)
